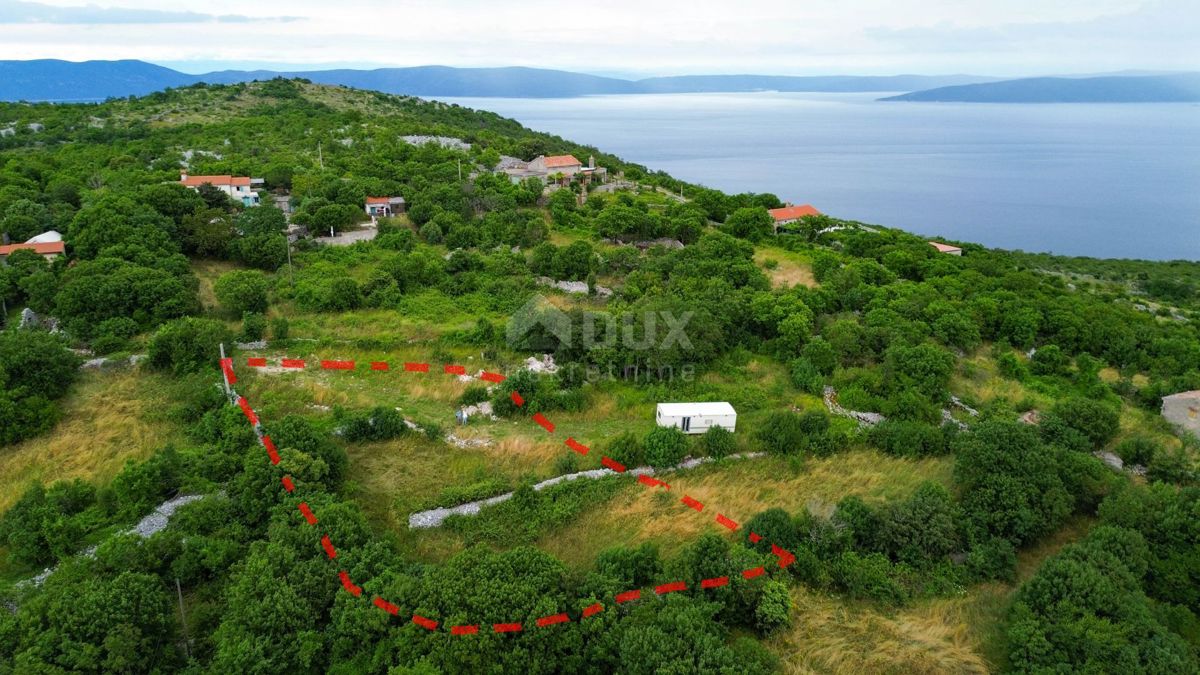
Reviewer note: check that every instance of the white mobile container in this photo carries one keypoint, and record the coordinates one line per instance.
(696, 418)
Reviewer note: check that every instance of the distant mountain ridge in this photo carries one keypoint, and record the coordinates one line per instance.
(1174, 88)
(54, 80)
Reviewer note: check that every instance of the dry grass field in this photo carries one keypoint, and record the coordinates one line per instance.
(739, 489)
(787, 269)
(107, 418)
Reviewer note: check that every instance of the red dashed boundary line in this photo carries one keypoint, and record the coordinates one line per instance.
(785, 557)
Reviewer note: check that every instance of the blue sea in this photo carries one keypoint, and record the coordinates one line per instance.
(1104, 180)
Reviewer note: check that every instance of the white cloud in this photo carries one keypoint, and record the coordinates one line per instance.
(667, 36)
(17, 12)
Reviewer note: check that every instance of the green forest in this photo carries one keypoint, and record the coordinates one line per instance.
(1014, 501)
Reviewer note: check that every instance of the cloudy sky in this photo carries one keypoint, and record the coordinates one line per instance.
(622, 37)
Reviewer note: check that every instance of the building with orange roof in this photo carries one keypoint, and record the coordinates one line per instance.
(239, 188)
(790, 214)
(382, 207)
(48, 250)
(567, 165)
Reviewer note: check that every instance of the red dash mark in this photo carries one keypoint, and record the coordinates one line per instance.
(692, 503)
(379, 365)
(517, 399)
(386, 606)
(552, 619)
(455, 370)
(416, 367)
(671, 587)
(755, 537)
(652, 482)
(785, 557)
(543, 422)
(507, 627)
(491, 377)
(592, 609)
(256, 362)
(715, 582)
(464, 630)
(308, 514)
(271, 451)
(349, 585)
(613, 464)
(227, 367)
(329, 549)
(292, 363)
(726, 522)
(427, 624)
(247, 410)
(337, 365)
(753, 572)
(627, 596)
(577, 446)
(287, 483)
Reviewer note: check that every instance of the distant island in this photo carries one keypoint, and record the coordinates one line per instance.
(1177, 88)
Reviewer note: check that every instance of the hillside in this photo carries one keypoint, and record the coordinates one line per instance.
(52, 80)
(940, 463)
(1181, 88)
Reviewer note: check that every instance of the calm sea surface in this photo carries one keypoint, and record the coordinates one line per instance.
(1106, 180)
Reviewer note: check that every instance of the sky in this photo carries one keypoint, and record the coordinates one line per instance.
(628, 38)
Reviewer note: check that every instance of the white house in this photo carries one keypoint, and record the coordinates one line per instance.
(239, 188)
(379, 207)
(696, 418)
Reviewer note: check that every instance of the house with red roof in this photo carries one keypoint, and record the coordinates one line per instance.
(48, 250)
(567, 165)
(790, 214)
(382, 207)
(239, 188)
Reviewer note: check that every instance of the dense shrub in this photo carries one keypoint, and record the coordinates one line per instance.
(242, 291)
(627, 449)
(665, 447)
(718, 442)
(1097, 420)
(188, 345)
(379, 424)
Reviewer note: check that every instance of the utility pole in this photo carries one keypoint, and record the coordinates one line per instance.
(224, 377)
(320, 157)
(291, 270)
(187, 648)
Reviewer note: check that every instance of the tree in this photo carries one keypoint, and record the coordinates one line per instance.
(751, 223)
(718, 442)
(665, 447)
(1010, 483)
(1096, 420)
(242, 291)
(261, 221)
(188, 345)
(923, 529)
